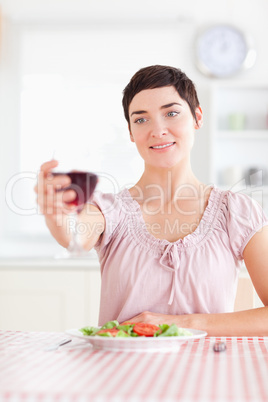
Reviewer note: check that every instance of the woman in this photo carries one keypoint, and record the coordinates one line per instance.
(170, 248)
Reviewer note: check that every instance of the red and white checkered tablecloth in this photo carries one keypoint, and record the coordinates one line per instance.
(77, 372)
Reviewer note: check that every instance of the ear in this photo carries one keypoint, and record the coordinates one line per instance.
(199, 117)
(130, 134)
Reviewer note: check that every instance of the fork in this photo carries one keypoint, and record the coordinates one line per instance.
(55, 346)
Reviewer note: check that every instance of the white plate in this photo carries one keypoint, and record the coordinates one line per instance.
(141, 344)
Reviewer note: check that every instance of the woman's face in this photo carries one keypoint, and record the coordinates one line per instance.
(162, 126)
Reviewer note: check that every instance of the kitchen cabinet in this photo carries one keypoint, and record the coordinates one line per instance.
(238, 133)
(48, 295)
(238, 136)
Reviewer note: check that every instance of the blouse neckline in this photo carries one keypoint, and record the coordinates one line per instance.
(190, 240)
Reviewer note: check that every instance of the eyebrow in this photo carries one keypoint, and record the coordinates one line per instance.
(162, 107)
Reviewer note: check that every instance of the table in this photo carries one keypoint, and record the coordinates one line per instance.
(77, 372)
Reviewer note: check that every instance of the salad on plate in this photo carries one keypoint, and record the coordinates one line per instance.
(130, 329)
(139, 337)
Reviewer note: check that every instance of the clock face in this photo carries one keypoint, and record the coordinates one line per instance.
(223, 50)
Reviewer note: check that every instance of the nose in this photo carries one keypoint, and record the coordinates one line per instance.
(158, 129)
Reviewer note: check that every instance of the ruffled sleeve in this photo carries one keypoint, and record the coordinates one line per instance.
(245, 217)
(110, 206)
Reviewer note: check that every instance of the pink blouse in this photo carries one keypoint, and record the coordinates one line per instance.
(196, 274)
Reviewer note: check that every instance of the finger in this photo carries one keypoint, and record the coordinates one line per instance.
(44, 173)
(60, 198)
(59, 181)
(64, 201)
(53, 204)
(48, 166)
(54, 195)
(134, 320)
(50, 183)
(69, 196)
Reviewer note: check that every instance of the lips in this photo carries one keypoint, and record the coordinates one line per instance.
(162, 146)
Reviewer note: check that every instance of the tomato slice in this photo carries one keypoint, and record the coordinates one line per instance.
(128, 323)
(144, 329)
(112, 331)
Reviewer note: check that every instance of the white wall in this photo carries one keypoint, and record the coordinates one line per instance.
(182, 19)
(189, 15)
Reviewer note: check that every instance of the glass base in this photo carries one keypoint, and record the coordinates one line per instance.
(72, 254)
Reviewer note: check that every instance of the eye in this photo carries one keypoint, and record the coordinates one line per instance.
(172, 114)
(140, 121)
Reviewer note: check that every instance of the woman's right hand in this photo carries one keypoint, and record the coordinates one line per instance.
(51, 199)
(53, 204)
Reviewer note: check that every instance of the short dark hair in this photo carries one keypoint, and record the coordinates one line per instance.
(158, 76)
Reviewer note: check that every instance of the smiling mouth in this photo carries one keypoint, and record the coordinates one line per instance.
(163, 146)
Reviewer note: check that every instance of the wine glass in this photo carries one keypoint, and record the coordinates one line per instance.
(75, 165)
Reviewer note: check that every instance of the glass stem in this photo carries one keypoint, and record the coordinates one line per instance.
(75, 247)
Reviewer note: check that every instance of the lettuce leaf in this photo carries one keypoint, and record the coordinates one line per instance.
(122, 334)
(110, 324)
(90, 331)
(173, 330)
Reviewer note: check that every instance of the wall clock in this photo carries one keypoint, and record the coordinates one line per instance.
(223, 50)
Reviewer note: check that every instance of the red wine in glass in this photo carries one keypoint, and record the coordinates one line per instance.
(83, 183)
